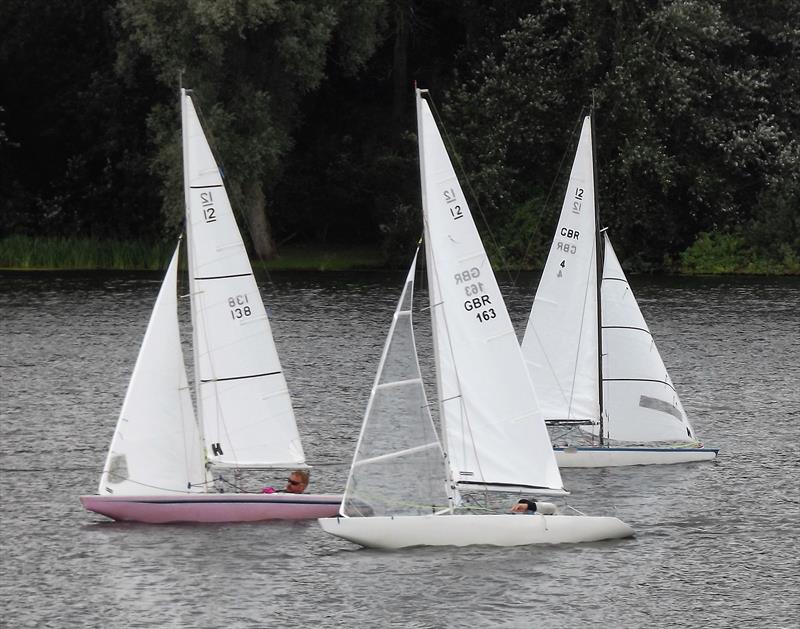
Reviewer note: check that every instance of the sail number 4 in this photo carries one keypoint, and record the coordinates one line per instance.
(239, 307)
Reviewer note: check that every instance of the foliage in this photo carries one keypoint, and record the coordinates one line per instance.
(687, 136)
(308, 106)
(250, 65)
(74, 143)
(717, 252)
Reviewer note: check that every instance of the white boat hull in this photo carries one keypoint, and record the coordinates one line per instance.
(469, 530)
(620, 457)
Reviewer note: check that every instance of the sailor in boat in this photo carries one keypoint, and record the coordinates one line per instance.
(526, 505)
(295, 484)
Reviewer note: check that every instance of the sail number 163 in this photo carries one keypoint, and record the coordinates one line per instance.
(478, 305)
(474, 288)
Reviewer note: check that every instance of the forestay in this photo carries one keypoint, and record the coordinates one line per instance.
(156, 448)
(243, 400)
(495, 433)
(560, 343)
(399, 466)
(639, 398)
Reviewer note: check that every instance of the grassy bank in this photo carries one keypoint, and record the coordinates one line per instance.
(24, 253)
(725, 253)
(711, 254)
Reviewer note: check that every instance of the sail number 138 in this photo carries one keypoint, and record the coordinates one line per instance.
(239, 307)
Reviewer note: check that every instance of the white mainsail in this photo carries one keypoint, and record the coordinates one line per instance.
(560, 343)
(398, 467)
(156, 448)
(243, 401)
(639, 398)
(495, 436)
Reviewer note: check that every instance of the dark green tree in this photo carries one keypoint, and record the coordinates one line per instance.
(687, 138)
(354, 174)
(693, 138)
(250, 64)
(72, 161)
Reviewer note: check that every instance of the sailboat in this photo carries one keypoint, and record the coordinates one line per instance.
(598, 373)
(407, 487)
(164, 463)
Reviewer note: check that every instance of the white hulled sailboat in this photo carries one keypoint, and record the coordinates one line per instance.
(597, 371)
(405, 486)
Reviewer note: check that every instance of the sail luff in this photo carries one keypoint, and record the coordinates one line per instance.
(193, 292)
(440, 367)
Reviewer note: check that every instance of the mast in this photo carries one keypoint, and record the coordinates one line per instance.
(190, 264)
(598, 274)
(432, 298)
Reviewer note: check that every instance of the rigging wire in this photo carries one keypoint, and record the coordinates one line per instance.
(463, 176)
(545, 208)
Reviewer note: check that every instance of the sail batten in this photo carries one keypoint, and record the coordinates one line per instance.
(399, 453)
(221, 277)
(488, 485)
(255, 375)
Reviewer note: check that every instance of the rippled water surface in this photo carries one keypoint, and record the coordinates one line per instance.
(716, 543)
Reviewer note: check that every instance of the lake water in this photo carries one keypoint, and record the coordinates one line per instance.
(716, 543)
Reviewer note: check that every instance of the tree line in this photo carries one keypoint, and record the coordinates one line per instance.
(309, 107)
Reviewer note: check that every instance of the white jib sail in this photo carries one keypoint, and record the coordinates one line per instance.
(560, 343)
(495, 433)
(243, 400)
(156, 448)
(399, 466)
(639, 398)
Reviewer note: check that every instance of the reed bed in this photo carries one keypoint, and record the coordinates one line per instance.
(26, 253)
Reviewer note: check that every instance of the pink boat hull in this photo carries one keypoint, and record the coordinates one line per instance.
(164, 509)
